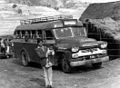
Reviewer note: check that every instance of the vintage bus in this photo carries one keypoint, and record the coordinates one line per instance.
(68, 36)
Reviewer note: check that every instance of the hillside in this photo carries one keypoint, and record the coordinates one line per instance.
(102, 10)
(51, 3)
(67, 7)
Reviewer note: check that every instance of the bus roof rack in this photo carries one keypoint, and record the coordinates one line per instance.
(45, 19)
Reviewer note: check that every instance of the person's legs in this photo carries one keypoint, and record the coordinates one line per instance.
(8, 51)
(50, 75)
(46, 76)
(4, 50)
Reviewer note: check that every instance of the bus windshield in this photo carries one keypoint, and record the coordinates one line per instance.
(63, 32)
(70, 32)
(79, 31)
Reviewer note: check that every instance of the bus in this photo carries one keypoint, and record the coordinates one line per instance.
(68, 36)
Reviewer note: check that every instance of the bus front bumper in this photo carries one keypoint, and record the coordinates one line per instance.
(84, 62)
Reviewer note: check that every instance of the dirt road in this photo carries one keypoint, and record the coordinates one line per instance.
(14, 75)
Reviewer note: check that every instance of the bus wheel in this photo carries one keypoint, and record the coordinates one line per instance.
(97, 65)
(24, 59)
(65, 65)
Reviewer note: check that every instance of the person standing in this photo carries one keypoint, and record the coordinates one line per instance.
(3, 46)
(46, 55)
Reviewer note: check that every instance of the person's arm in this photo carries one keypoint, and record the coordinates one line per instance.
(40, 52)
(47, 53)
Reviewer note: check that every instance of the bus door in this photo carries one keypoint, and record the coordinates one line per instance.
(50, 40)
(49, 37)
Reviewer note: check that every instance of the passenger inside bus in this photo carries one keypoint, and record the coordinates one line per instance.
(17, 34)
(27, 35)
(39, 34)
(23, 34)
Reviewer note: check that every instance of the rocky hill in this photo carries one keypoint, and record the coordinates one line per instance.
(102, 10)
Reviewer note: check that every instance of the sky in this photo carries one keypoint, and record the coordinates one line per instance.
(98, 1)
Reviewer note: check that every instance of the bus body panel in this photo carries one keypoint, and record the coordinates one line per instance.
(27, 47)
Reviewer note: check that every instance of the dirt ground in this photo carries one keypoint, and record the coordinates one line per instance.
(14, 75)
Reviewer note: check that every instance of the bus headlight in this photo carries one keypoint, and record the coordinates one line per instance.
(103, 45)
(75, 49)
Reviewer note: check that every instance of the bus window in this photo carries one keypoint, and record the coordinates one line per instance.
(27, 34)
(49, 35)
(17, 34)
(39, 33)
(33, 34)
(22, 33)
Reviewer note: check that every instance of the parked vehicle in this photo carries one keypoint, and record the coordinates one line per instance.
(68, 36)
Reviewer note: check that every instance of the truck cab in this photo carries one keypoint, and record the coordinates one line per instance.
(74, 48)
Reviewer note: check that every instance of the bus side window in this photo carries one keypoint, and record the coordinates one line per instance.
(49, 35)
(33, 34)
(17, 34)
(27, 35)
(20, 34)
(39, 33)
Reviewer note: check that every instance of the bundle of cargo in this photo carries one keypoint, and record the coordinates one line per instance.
(106, 30)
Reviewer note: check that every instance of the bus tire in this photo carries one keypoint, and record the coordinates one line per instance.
(65, 64)
(24, 58)
(97, 65)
